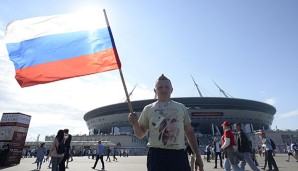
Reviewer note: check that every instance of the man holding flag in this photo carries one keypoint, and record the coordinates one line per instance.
(167, 122)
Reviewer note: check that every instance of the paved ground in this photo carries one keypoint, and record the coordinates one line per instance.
(133, 163)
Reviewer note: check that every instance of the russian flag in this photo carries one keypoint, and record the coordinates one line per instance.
(52, 48)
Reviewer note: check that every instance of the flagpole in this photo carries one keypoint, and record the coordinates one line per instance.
(126, 93)
(120, 71)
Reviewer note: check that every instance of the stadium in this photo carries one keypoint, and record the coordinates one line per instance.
(110, 123)
(206, 113)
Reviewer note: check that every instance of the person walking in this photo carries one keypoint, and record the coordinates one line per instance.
(229, 148)
(208, 152)
(100, 150)
(89, 153)
(71, 153)
(50, 163)
(294, 150)
(265, 156)
(114, 154)
(94, 152)
(41, 152)
(217, 152)
(47, 156)
(290, 153)
(245, 148)
(168, 123)
(108, 154)
(269, 150)
(55, 157)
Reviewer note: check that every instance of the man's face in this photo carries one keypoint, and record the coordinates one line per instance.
(163, 90)
(224, 127)
(237, 127)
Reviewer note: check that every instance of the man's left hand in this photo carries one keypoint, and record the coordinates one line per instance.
(199, 163)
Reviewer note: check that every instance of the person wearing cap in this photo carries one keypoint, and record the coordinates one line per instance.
(269, 150)
(167, 123)
(244, 147)
(229, 148)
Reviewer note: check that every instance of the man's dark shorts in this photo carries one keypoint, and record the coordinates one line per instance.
(167, 160)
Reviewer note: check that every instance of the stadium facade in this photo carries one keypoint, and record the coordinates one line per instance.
(206, 113)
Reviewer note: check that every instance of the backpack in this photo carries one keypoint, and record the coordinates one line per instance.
(272, 144)
(61, 147)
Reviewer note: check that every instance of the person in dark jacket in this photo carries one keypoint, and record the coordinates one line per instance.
(67, 139)
(217, 152)
(208, 152)
(244, 147)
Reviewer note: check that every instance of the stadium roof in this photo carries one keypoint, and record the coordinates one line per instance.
(189, 102)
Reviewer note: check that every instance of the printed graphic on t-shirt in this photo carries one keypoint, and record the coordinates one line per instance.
(157, 120)
(168, 129)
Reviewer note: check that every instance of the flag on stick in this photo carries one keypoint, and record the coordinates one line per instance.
(52, 48)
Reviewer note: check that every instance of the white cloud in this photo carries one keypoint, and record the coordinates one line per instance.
(288, 114)
(271, 101)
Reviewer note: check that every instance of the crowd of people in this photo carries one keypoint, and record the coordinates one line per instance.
(57, 155)
(58, 161)
(239, 151)
(235, 148)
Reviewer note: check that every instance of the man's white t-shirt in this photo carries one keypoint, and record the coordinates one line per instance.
(165, 122)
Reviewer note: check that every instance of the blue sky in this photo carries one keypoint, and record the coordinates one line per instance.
(250, 48)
